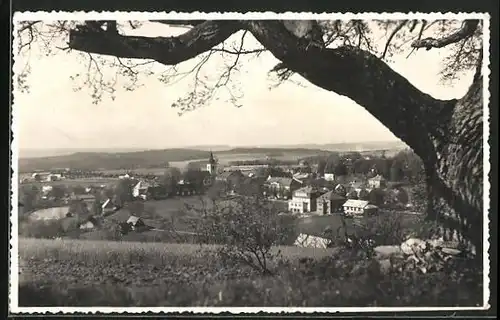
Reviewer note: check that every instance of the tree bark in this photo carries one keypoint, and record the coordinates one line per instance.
(446, 134)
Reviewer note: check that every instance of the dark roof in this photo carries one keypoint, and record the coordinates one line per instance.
(330, 195)
(281, 180)
(121, 215)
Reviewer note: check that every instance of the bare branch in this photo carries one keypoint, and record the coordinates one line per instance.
(468, 28)
(391, 36)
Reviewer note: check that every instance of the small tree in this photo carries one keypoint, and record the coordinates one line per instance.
(377, 197)
(247, 228)
(58, 192)
(170, 179)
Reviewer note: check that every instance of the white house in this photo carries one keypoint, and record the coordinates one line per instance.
(140, 190)
(328, 176)
(125, 176)
(303, 200)
(377, 182)
(358, 207)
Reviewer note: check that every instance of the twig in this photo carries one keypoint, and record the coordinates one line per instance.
(391, 36)
(467, 30)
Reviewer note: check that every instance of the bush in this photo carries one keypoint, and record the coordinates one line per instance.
(247, 228)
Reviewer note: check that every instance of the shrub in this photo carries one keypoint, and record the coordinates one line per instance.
(247, 228)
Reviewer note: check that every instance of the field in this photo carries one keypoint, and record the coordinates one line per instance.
(76, 182)
(93, 273)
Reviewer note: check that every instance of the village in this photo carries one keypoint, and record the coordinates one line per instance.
(302, 189)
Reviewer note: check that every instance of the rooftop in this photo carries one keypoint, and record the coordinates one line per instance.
(356, 203)
(378, 177)
(330, 195)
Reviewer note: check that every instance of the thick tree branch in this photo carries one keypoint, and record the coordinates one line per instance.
(165, 50)
(468, 28)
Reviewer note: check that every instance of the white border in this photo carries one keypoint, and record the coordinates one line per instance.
(14, 263)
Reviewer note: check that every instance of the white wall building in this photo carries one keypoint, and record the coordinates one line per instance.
(328, 176)
(358, 207)
(303, 200)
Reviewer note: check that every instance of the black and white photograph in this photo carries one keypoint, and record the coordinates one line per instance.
(232, 162)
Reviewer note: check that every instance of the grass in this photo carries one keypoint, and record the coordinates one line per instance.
(98, 273)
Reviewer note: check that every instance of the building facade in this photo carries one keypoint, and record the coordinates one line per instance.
(329, 203)
(303, 200)
(358, 207)
(281, 187)
(377, 182)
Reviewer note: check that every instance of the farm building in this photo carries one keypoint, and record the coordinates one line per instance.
(309, 241)
(329, 203)
(358, 207)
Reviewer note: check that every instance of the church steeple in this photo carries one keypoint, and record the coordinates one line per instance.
(212, 164)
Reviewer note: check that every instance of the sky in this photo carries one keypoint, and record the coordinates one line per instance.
(53, 115)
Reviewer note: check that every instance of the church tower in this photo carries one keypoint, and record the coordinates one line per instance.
(212, 164)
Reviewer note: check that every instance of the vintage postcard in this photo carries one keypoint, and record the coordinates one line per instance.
(230, 162)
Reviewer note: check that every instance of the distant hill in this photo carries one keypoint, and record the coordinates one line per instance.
(160, 158)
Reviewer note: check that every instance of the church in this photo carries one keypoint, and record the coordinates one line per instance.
(211, 170)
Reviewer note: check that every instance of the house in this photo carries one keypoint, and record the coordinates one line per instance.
(329, 203)
(185, 188)
(309, 241)
(303, 200)
(329, 176)
(135, 222)
(281, 187)
(358, 207)
(108, 206)
(144, 189)
(231, 178)
(377, 182)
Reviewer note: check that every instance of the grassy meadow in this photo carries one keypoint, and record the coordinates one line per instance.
(98, 273)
